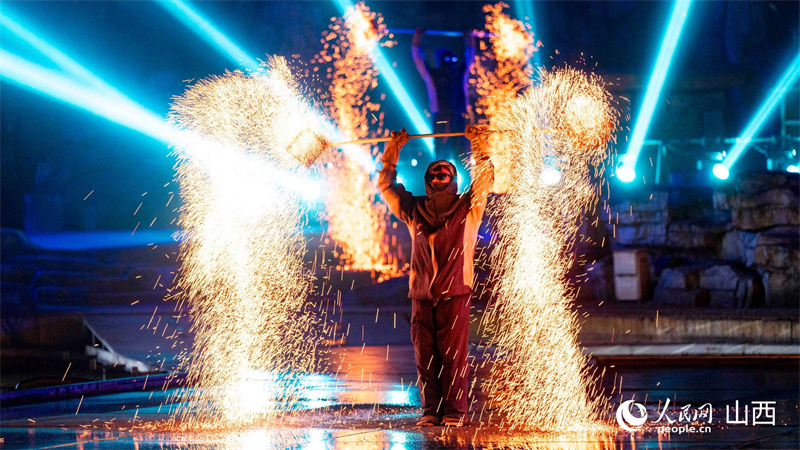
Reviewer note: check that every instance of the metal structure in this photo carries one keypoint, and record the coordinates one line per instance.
(778, 149)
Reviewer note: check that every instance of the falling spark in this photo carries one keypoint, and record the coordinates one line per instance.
(500, 74)
(242, 257)
(66, 372)
(356, 217)
(540, 372)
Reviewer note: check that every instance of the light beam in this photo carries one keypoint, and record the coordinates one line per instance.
(62, 60)
(208, 32)
(788, 78)
(119, 110)
(679, 13)
(49, 82)
(525, 13)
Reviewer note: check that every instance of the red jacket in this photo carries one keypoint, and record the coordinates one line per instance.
(441, 259)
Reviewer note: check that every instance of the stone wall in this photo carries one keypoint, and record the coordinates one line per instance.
(764, 232)
(732, 246)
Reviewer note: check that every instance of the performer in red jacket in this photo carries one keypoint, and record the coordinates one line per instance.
(444, 229)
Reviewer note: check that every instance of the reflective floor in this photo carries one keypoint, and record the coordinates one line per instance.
(369, 401)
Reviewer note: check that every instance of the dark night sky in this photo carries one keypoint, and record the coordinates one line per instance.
(49, 147)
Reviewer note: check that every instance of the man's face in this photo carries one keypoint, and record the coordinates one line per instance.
(440, 177)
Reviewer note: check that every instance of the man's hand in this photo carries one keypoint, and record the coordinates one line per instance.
(416, 41)
(401, 137)
(478, 136)
(392, 152)
(473, 132)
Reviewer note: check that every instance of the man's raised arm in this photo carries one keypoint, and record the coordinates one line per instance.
(483, 171)
(397, 197)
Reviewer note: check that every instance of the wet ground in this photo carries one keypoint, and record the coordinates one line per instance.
(372, 403)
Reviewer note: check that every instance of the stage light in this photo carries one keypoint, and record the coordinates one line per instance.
(679, 13)
(414, 162)
(788, 78)
(396, 87)
(551, 176)
(720, 171)
(207, 31)
(793, 169)
(626, 174)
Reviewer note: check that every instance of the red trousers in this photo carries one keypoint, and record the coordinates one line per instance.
(440, 333)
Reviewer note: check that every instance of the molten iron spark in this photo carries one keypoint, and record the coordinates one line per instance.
(500, 74)
(540, 380)
(242, 270)
(356, 217)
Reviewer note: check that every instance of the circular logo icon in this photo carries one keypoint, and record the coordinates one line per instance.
(627, 420)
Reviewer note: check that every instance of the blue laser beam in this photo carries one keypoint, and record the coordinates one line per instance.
(130, 114)
(789, 77)
(208, 32)
(680, 12)
(61, 87)
(58, 57)
(390, 76)
(525, 13)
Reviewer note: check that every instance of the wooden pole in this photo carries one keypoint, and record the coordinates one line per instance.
(420, 136)
(389, 138)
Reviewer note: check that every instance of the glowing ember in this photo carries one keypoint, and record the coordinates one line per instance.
(500, 74)
(356, 217)
(242, 260)
(540, 379)
(363, 27)
(587, 119)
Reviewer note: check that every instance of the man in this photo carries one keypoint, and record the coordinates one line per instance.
(444, 229)
(448, 91)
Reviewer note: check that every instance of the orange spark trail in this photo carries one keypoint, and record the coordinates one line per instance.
(356, 217)
(500, 74)
(241, 269)
(539, 380)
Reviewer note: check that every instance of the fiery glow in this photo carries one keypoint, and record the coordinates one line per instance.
(241, 269)
(587, 119)
(363, 27)
(500, 74)
(539, 380)
(356, 217)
